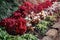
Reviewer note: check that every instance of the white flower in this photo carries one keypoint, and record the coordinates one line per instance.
(35, 17)
(28, 24)
(27, 18)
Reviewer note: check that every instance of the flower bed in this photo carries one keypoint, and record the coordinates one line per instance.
(30, 20)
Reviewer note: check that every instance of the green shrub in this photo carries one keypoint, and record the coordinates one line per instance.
(42, 27)
(29, 37)
(6, 8)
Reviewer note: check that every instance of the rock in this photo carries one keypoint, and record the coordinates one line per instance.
(58, 37)
(47, 38)
(52, 33)
(56, 25)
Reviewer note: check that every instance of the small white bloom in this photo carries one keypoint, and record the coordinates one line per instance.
(35, 17)
(39, 13)
(28, 24)
(27, 18)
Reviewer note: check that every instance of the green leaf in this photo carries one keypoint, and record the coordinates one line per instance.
(7, 8)
(29, 37)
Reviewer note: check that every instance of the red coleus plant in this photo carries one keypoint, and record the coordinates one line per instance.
(54, 0)
(47, 4)
(15, 25)
(42, 6)
(29, 5)
(22, 25)
(38, 8)
(16, 14)
(26, 7)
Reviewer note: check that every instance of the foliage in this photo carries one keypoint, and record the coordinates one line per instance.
(29, 37)
(51, 18)
(13, 25)
(45, 23)
(6, 8)
(17, 22)
(42, 27)
(5, 36)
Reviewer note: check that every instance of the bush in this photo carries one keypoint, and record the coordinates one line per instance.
(42, 27)
(6, 8)
(29, 37)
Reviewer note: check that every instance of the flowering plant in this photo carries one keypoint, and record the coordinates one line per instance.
(15, 25)
(17, 22)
